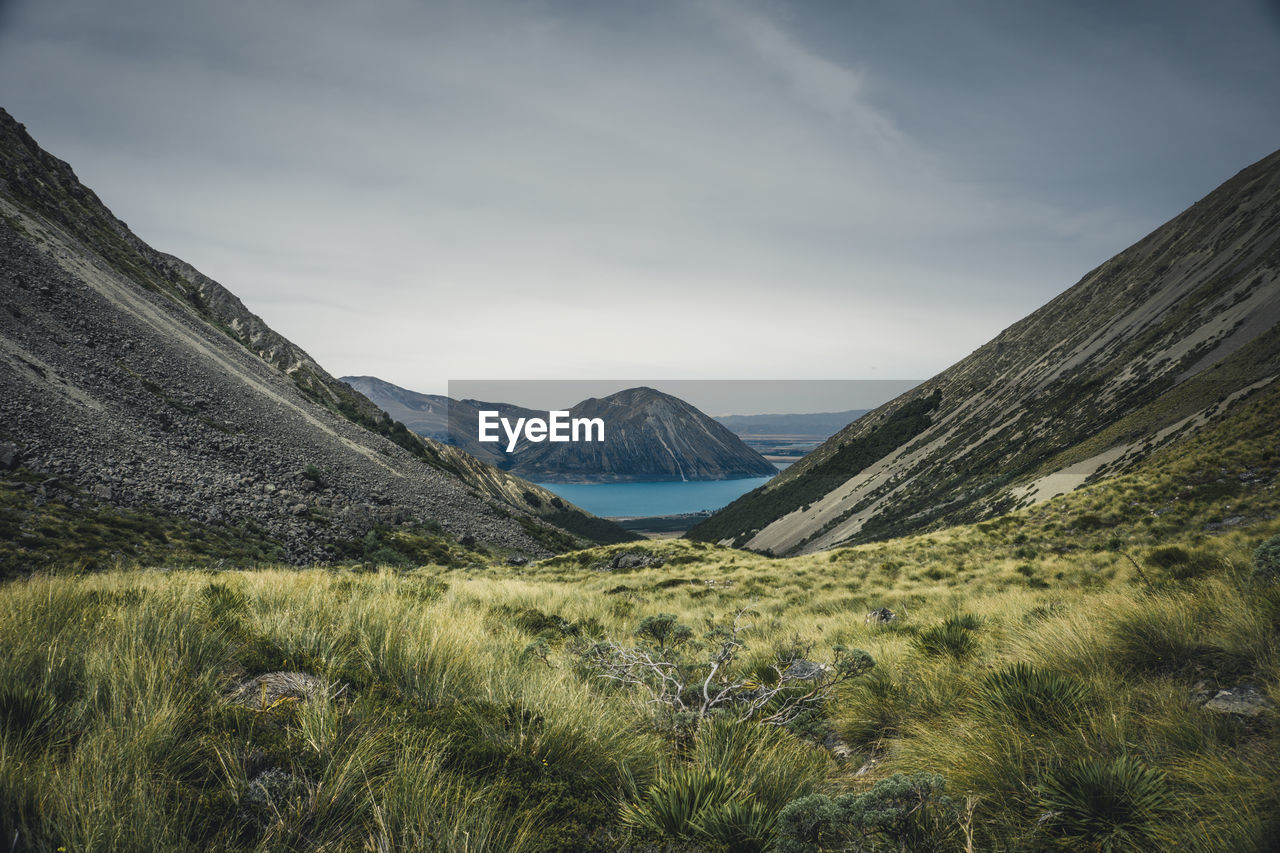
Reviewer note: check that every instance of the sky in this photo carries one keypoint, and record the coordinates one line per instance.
(704, 189)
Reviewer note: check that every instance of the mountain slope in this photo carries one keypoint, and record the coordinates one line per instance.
(132, 376)
(425, 414)
(649, 437)
(824, 423)
(1144, 350)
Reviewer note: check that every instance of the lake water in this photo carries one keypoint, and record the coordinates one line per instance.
(619, 500)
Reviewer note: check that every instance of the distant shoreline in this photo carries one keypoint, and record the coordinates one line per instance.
(660, 526)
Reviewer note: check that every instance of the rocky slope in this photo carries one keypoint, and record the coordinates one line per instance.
(144, 383)
(649, 437)
(1148, 348)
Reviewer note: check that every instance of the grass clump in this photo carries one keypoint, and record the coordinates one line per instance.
(1033, 697)
(672, 804)
(1106, 805)
(954, 637)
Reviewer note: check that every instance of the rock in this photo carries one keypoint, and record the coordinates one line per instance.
(517, 560)
(1244, 700)
(805, 670)
(839, 750)
(880, 616)
(10, 458)
(298, 509)
(635, 560)
(102, 492)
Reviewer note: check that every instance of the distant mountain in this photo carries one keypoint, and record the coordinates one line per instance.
(133, 380)
(425, 414)
(435, 416)
(825, 424)
(650, 437)
(1150, 347)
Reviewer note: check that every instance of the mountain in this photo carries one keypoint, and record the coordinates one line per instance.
(133, 381)
(441, 418)
(1149, 348)
(425, 414)
(823, 424)
(649, 437)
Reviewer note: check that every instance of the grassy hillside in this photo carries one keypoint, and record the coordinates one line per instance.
(1042, 687)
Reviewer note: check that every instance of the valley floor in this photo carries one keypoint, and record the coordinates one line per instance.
(1099, 672)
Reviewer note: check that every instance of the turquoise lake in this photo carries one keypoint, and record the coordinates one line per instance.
(618, 500)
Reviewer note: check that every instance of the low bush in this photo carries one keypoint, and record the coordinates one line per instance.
(903, 812)
(1266, 561)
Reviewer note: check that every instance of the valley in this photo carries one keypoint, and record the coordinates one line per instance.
(1031, 604)
(1123, 635)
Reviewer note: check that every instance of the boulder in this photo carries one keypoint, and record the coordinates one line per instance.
(881, 616)
(805, 670)
(635, 560)
(1243, 700)
(10, 458)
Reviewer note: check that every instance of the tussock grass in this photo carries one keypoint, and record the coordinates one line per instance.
(1041, 663)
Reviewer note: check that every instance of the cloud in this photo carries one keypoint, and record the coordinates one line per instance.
(835, 89)
(555, 189)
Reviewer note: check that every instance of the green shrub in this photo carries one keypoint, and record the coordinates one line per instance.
(663, 630)
(1266, 561)
(770, 765)
(1105, 805)
(899, 813)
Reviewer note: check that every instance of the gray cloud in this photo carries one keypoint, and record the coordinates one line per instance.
(685, 190)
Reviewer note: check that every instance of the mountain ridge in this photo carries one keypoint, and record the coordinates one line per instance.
(137, 378)
(651, 437)
(1161, 335)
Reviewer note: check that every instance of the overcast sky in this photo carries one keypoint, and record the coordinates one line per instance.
(425, 191)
